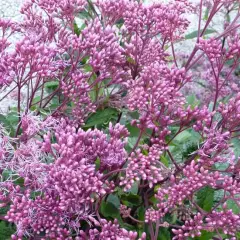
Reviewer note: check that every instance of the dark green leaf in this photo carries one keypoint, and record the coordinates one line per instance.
(128, 226)
(108, 209)
(131, 199)
(6, 230)
(76, 29)
(101, 117)
(52, 85)
(120, 22)
(205, 235)
(141, 213)
(4, 210)
(205, 198)
(164, 234)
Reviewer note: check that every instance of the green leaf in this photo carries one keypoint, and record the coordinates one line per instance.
(232, 205)
(195, 33)
(153, 200)
(131, 199)
(134, 188)
(114, 200)
(4, 210)
(132, 139)
(10, 122)
(97, 164)
(205, 235)
(183, 136)
(6, 124)
(192, 101)
(164, 160)
(205, 198)
(101, 117)
(108, 209)
(6, 230)
(236, 148)
(120, 22)
(34, 102)
(141, 213)
(131, 60)
(52, 85)
(87, 68)
(12, 117)
(206, 14)
(76, 29)
(83, 14)
(164, 234)
(128, 226)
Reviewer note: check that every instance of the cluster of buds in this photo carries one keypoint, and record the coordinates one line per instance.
(73, 146)
(145, 167)
(212, 48)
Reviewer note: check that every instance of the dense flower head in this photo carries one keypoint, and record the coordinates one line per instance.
(183, 189)
(216, 142)
(191, 228)
(112, 10)
(211, 47)
(35, 216)
(74, 146)
(111, 230)
(225, 220)
(145, 167)
(66, 9)
(156, 90)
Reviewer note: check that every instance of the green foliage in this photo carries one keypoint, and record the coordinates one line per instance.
(101, 118)
(184, 144)
(51, 85)
(205, 198)
(130, 199)
(6, 230)
(194, 34)
(108, 209)
(141, 213)
(10, 122)
(114, 200)
(132, 139)
(231, 204)
(205, 235)
(192, 101)
(236, 148)
(164, 234)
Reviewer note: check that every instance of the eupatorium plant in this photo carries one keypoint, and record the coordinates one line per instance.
(116, 132)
